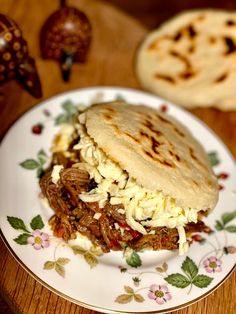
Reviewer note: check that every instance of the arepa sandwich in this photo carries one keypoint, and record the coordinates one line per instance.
(128, 176)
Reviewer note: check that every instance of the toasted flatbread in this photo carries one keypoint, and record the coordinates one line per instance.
(191, 59)
(156, 150)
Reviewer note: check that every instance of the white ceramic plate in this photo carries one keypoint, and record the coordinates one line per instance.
(146, 282)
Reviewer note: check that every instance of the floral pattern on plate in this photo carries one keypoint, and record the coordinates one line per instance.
(142, 282)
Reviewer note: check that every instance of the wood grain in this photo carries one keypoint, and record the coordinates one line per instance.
(115, 39)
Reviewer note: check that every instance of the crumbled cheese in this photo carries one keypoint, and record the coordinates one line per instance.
(56, 173)
(143, 207)
(121, 211)
(116, 226)
(97, 215)
(63, 138)
(183, 244)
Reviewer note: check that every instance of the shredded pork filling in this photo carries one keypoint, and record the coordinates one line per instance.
(70, 184)
(106, 227)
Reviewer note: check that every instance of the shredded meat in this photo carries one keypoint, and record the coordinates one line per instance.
(109, 229)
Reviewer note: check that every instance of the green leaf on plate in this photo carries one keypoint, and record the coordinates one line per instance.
(133, 260)
(42, 157)
(178, 280)
(165, 266)
(69, 107)
(189, 267)
(219, 225)
(60, 269)
(62, 261)
(29, 164)
(90, 259)
(96, 251)
(49, 265)
(138, 298)
(128, 289)
(227, 217)
(213, 158)
(17, 223)
(78, 249)
(40, 172)
(22, 239)
(62, 118)
(231, 228)
(37, 223)
(202, 281)
(124, 298)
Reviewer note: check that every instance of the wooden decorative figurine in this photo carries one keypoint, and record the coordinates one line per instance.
(15, 62)
(65, 37)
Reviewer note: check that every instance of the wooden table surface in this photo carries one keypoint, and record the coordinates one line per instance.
(115, 39)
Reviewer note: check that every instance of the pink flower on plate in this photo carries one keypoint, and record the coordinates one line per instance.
(39, 240)
(212, 264)
(159, 293)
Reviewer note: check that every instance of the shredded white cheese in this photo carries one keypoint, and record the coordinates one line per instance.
(63, 138)
(97, 216)
(56, 173)
(143, 207)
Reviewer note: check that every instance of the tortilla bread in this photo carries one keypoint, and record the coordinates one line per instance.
(191, 59)
(155, 149)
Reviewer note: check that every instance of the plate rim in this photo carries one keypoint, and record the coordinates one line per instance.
(98, 308)
(115, 89)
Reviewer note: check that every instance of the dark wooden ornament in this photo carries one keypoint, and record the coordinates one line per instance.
(66, 37)
(15, 62)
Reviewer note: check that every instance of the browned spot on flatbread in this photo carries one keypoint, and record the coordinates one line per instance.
(195, 158)
(174, 155)
(186, 74)
(201, 17)
(166, 78)
(191, 49)
(163, 119)
(144, 134)
(116, 128)
(194, 182)
(109, 113)
(181, 57)
(179, 132)
(148, 154)
(209, 183)
(177, 36)
(110, 109)
(230, 23)
(192, 154)
(170, 123)
(148, 124)
(167, 163)
(132, 137)
(157, 159)
(221, 78)
(155, 144)
(107, 116)
(212, 40)
(152, 46)
(191, 31)
(147, 116)
(230, 45)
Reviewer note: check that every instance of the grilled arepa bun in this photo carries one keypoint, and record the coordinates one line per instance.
(156, 150)
(190, 59)
(133, 177)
